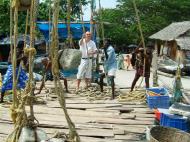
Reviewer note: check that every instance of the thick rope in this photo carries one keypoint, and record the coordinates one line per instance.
(20, 121)
(101, 21)
(91, 16)
(49, 19)
(93, 93)
(18, 112)
(142, 37)
(138, 95)
(68, 23)
(11, 31)
(26, 28)
(15, 101)
(73, 135)
(32, 52)
(81, 16)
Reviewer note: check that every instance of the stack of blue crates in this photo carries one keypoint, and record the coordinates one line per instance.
(175, 121)
(161, 101)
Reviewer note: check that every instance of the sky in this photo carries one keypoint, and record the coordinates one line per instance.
(104, 4)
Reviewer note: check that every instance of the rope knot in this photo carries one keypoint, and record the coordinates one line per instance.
(30, 50)
(13, 113)
(55, 67)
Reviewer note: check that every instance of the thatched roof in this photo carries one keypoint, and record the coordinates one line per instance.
(183, 42)
(172, 32)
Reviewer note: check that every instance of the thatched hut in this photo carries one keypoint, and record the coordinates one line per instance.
(174, 41)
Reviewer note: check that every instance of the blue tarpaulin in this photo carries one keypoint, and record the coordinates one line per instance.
(76, 29)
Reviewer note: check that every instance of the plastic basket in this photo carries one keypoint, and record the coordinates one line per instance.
(161, 100)
(157, 90)
(175, 121)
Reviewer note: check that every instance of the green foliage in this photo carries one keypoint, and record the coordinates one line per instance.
(43, 14)
(5, 19)
(75, 8)
(154, 15)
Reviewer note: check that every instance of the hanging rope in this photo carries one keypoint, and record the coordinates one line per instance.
(15, 101)
(32, 52)
(18, 114)
(73, 135)
(26, 27)
(11, 31)
(92, 15)
(101, 21)
(69, 23)
(49, 19)
(142, 37)
(81, 16)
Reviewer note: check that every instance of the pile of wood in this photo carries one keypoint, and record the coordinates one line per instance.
(101, 120)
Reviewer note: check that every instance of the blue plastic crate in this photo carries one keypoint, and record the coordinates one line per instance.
(175, 121)
(158, 90)
(162, 101)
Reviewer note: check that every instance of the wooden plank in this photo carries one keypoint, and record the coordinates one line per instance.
(128, 137)
(97, 121)
(94, 139)
(84, 106)
(3, 137)
(138, 129)
(85, 132)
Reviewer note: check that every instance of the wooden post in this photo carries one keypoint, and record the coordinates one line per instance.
(155, 65)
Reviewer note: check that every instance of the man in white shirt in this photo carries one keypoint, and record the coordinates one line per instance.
(88, 49)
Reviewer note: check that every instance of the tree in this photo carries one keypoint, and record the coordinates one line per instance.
(154, 15)
(113, 28)
(43, 14)
(5, 20)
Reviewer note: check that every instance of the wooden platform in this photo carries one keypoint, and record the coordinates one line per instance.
(97, 121)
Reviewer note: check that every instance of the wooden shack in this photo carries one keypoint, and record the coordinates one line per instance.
(174, 41)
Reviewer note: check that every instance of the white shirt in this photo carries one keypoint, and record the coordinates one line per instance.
(86, 48)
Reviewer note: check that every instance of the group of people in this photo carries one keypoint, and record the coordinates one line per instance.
(89, 52)
(141, 61)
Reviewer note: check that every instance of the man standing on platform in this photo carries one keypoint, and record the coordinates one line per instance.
(88, 49)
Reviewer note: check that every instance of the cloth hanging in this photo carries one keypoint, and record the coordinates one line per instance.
(8, 79)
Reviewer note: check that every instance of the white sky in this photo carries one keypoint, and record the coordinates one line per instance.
(104, 4)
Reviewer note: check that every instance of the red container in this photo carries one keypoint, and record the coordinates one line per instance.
(157, 114)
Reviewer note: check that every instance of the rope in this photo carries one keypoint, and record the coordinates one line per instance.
(101, 22)
(91, 17)
(20, 120)
(31, 51)
(138, 95)
(82, 20)
(69, 22)
(26, 28)
(142, 37)
(28, 51)
(73, 135)
(15, 101)
(18, 113)
(93, 93)
(49, 19)
(11, 31)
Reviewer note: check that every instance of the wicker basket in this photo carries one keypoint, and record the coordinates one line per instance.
(164, 134)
